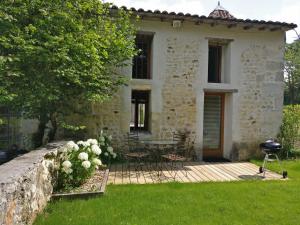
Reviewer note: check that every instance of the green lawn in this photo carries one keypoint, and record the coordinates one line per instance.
(247, 202)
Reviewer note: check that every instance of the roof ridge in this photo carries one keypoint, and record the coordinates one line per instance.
(195, 17)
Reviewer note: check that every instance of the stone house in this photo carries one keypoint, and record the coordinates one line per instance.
(216, 77)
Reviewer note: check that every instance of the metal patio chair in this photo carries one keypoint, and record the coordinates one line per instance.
(136, 153)
(177, 155)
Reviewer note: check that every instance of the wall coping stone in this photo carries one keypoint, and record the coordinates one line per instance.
(15, 169)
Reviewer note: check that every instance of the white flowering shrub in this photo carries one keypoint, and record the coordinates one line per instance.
(108, 155)
(77, 162)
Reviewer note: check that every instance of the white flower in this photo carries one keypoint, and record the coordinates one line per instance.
(83, 143)
(92, 141)
(83, 156)
(86, 164)
(110, 137)
(63, 149)
(97, 162)
(76, 147)
(67, 170)
(67, 164)
(114, 155)
(105, 153)
(72, 146)
(110, 149)
(96, 149)
(80, 142)
(86, 144)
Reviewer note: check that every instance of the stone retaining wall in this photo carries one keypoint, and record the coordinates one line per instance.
(26, 185)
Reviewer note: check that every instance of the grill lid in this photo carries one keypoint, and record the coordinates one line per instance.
(270, 144)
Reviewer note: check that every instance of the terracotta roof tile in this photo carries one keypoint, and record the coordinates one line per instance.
(222, 17)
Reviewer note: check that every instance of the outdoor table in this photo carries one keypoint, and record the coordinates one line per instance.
(137, 154)
(156, 151)
(158, 143)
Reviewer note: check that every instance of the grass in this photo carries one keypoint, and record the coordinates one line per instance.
(232, 203)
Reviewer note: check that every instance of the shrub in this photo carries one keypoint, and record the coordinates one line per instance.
(76, 163)
(108, 155)
(289, 130)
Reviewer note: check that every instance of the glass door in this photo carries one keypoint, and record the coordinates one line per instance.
(213, 125)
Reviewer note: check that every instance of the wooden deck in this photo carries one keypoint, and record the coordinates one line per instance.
(192, 172)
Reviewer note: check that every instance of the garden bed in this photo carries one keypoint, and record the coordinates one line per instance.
(93, 187)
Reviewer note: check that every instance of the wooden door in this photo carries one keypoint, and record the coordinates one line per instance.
(213, 125)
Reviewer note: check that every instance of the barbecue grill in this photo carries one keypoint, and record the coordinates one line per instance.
(271, 149)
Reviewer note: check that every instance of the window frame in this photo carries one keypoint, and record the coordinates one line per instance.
(140, 97)
(147, 39)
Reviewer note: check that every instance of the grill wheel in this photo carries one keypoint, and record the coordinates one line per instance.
(284, 174)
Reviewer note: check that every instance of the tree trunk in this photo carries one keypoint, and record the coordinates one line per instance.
(53, 119)
(38, 136)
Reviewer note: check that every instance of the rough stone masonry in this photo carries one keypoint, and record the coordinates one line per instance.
(26, 185)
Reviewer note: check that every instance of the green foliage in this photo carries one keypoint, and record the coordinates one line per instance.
(290, 129)
(76, 132)
(54, 54)
(108, 155)
(292, 72)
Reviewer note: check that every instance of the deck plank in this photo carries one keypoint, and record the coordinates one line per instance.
(147, 174)
(223, 173)
(195, 171)
(192, 173)
(201, 174)
(111, 177)
(208, 173)
(118, 174)
(229, 171)
(125, 174)
(205, 177)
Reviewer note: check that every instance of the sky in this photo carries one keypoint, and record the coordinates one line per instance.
(275, 10)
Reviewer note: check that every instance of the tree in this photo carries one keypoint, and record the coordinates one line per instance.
(292, 72)
(56, 53)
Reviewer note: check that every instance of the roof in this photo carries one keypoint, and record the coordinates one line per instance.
(228, 21)
(221, 12)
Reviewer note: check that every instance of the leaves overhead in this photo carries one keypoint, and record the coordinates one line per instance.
(55, 52)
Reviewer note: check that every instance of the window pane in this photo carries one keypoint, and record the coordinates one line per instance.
(132, 115)
(139, 110)
(141, 62)
(214, 64)
(141, 118)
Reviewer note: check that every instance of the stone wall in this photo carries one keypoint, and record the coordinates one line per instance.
(260, 96)
(178, 95)
(99, 116)
(26, 185)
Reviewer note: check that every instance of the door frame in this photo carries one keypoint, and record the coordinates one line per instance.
(217, 153)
